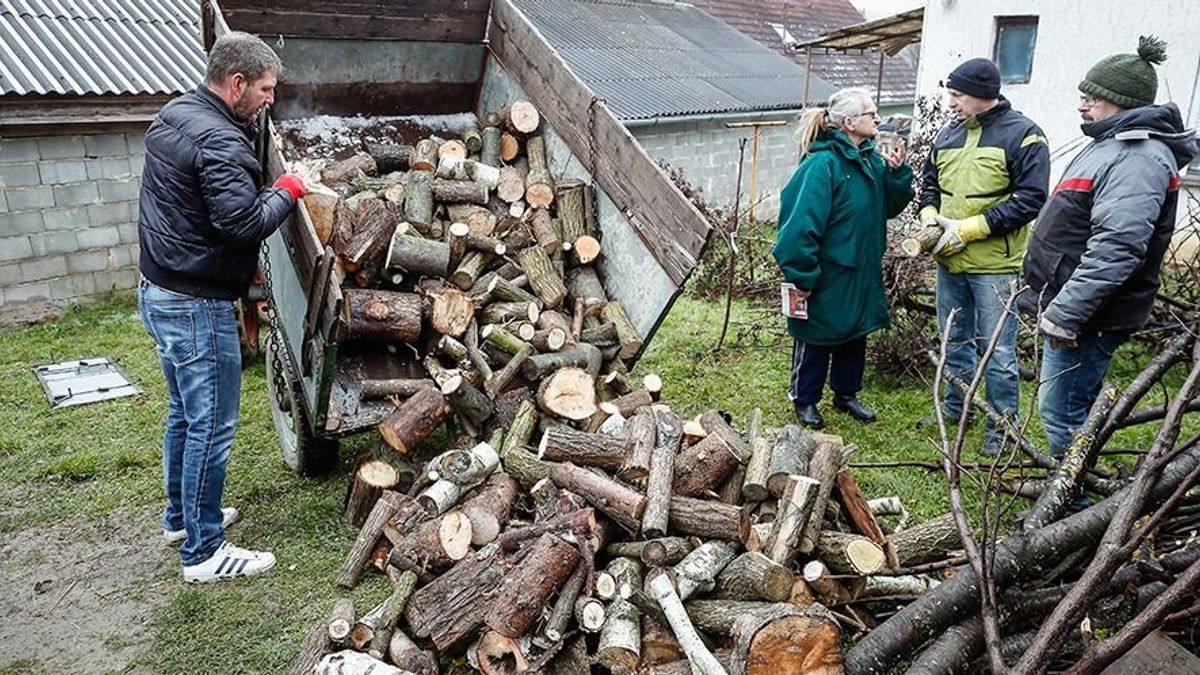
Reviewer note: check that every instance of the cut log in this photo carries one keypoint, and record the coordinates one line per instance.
(579, 522)
(450, 610)
(407, 656)
(698, 570)
(926, 541)
(424, 157)
(543, 278)
(469, 467)
(489, 151)
(615, 500)
(520, 117)
(382, 315)
(418, 198)
(439, 543)
(561, 443)
(479, 220)
(717, 617)
(589, 614)
(909, 584)
(709, 519)
(375, 225)
(569, 393)
(582, 355)
(849, 553)
(385, 507)
(551, 340)
(472, 265)
(460, 191)
(456, 242)
(490, 507)
(502, 338)
(571, 214)
(640, 435)
(797, 509)
(510, 147)
(526, 589)
(498, 654)
(703, 467)
(539, 188)
(628, 404)
(350, 169)
(322, 204)
(666, 551)
(563, 610)
(452, 148)
(370, 479)
(350, 662)
(390, 157)
(403, 584)
(439, 497)
(314, 648)
(786, 639)
(631, 340)
(470, 403)
(658, 643)
(828, 590)
(414, 419)
(921, 241)
(511, 186)
(402, 387)
(754, 576)
(501, 378)
(790, 457)
(341, 620)
(450, 310)
(854, 505)
(823, 468)
(754, 484)
(702, 660)
(620, 645)
(661, 476)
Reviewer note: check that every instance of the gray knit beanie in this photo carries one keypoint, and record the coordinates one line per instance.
(1127, 80)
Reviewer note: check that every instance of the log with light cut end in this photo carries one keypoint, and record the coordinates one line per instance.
(568, 393)
(571, 214)
(652, 383)
(698, 571)
(469, 467)
(520, 117)
(503, 290)
(369, 481)
(555, 626)
(511, 185)
(382, 315)
(489, 151)
(703, 467)
(350, 662)
(790, 456)
(754, 576)
(631, 340)
(466, 400)
(438, 543)
(406, 655)
(472, 265)
(693, 432)
(539, 188)
(628, 404)
(502, 338)
(490, 507)
(450, 310)
(456, 242)
(452, 148)
(440, 496)
(526, 589)
(390, 157)
(367, 246)
(459, 191)
(583, 283)
(798, 502)
(401, 387)
(562, 443)
(921, 241)
(479, 220)
(589, 614)
(622, 504)
(858, 512)
(414, 419)
(483, 174)
(620, 645)
(640, 435)
(544, 280)
(787, 639)
(709, 519)
(666, 551)
(754, 483)
(849, 553)
(581, 356)
(626, 572)
(350, 169)
(802, 594)
(926, 541)
(499, 654)
(322, 204)
(718, 616)
(661, 475)
(451, 168)
(909, 584)
(828, 590)
(509, 312)
(823, 468)
(551, 340)
(585, 251)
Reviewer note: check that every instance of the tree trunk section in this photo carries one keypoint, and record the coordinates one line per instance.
(450, 610)
(631, 340)
(824, 467)
(618, 502)
(543, 278)
(620, 645)
(849, 553)
(382, 315)
(390, 157)
(717, 617)
(754, 576)
(569, 393)
(525, 591)
(418, 198)
(661, 476)
(703, 467)
(561, 443)
(640, 435)
(791, 455)
(351, 571)
(539, 188)
(470, 403)
(350, 169)
(413, 420)
(798, 508)
(709, 519)
(370, 479)
(786, 639)
(926, 541)
(407, 656)
(417, 256)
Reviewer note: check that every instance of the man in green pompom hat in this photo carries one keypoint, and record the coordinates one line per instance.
(1092, 266)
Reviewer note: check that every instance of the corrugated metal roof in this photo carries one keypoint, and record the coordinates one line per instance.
(661, 59)
(100, 46)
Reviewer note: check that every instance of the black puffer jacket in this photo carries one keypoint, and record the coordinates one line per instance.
(203, 210)
(1093, 262)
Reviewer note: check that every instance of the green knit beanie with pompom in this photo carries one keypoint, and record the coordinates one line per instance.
(1128, 80)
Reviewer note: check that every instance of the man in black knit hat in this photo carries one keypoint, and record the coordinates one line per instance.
(985, 179)
(1093, 265)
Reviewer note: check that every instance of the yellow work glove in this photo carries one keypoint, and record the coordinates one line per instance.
(928, 216)
(956, 234)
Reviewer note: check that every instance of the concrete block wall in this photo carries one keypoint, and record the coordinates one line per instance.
(68, 216)
(707, 154)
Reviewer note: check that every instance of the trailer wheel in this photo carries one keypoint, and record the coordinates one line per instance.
(303, 452)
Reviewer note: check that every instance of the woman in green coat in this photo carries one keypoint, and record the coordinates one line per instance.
(832, 233)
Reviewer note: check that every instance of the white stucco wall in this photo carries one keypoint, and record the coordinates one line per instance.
(1072, 36)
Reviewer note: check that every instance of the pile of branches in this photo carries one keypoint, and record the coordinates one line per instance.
(1116, 551)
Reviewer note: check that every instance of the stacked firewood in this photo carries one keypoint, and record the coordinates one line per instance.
(629, 539)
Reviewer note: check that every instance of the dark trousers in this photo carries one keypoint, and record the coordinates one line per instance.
(844, 363)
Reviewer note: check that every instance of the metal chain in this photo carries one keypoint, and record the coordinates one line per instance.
(592, 159)
(273, 328)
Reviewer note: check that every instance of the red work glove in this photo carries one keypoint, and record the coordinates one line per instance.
(293, 184)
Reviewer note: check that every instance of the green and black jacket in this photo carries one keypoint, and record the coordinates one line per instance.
(997, 164)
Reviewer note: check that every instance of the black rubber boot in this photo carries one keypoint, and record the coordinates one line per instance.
(809, 416)
(851, 406)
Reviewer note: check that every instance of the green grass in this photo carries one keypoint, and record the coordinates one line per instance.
(100, 459)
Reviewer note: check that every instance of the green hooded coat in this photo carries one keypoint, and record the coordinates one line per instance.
(832, 235)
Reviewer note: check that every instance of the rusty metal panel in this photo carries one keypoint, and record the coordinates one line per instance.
(426, 20)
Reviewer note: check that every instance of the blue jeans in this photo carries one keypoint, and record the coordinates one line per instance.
(980, 300)
(197, 344)
(810, 363)
(1070, 382)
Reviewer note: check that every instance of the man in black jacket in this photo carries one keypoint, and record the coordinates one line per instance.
(1092, 268)
(203, 213)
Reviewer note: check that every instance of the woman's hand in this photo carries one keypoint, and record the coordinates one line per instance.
(896, 157)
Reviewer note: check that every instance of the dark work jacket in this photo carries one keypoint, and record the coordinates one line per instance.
(203, 210)
(1096, 250)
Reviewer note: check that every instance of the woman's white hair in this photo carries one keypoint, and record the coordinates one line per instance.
(844, 104)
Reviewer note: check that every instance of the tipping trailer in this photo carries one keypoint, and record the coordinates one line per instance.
(435, 57)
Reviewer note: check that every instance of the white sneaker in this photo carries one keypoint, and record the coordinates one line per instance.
(229, 516)
(228, 562)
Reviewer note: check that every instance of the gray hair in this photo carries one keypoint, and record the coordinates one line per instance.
(844, 104)
(238, 52)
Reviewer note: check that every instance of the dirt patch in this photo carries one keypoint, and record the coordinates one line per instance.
(79, 596)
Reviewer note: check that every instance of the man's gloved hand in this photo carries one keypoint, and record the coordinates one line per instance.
(293, 184)
(956, 234)
(928, 216)
(1058, 336)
